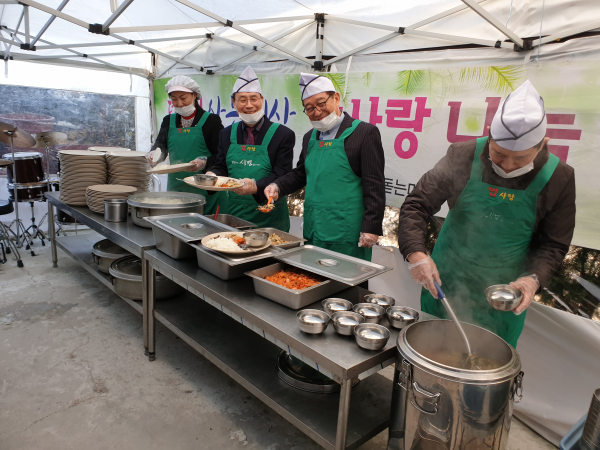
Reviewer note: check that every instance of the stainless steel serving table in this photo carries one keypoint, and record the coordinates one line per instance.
(242, 333)
(132, 238)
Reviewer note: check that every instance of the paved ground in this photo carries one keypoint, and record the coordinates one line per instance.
(73, 376)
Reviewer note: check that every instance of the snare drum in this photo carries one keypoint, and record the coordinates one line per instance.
(30, 192)
(28, 166)
(64, 218)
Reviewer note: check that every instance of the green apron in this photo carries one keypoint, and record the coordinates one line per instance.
(333, 209)
(252, 161)
(185, 145)
(485, 241)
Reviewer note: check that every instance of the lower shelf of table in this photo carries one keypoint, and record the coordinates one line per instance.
(79, 247)
(251, 361)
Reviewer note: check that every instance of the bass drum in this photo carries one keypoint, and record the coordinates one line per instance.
(30, 192)
(28, 166)
(65, 219)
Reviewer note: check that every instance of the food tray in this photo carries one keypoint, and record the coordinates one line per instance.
(228, 267)
(171, 238)
(232, 221)
(333, 265)
(289, 297)
(294, 240)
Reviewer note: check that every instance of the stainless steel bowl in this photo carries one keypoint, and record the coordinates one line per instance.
(380, 299)
(345, 321)
(371, 312)
(401, 316)
(313, 321)
(333, 305)
(503, 297)
(371, 336)
(256, 238)
(205, 180)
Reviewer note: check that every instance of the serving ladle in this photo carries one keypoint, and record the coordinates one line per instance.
(471, 358)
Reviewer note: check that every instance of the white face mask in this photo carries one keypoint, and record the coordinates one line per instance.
(327, 123)
(252, 119)
(186, 111)
(515, 173)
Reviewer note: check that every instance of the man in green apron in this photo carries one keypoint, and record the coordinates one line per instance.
(189, 135)
(511, 219)
(257, 151)
(341, 165)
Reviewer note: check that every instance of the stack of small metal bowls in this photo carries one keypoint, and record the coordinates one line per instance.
(313, 321)
(345, 321)
(401, 316)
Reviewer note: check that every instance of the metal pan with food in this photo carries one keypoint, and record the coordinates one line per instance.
(292, 287)
(237, 243)
(221, 184)
(281, 239)
(234, 222)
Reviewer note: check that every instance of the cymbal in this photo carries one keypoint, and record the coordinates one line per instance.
(49, 137)
(20, 138)
(4, 162)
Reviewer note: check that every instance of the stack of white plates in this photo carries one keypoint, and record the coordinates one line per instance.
(95, 195)
(78, 170)
(107, 149)
(128, 168)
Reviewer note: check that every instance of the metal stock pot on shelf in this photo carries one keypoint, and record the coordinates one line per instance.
(436, 404)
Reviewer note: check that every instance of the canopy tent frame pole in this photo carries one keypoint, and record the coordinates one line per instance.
(105, 44)
(276, 38)
(48, 23)
(262, 50)
(319, 50)
(441, 15)
(245, 31)
(26, 20)
(114, 16)
(569, 32)
(387, 37)
(27, 57)
(115, 67)
(194, 48)
(185, 26)
(54, 12)
(494, 22)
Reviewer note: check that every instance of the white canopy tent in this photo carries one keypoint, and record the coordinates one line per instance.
(142, 40)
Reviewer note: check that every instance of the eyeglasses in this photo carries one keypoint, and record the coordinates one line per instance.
(319, 106)
(242, 101)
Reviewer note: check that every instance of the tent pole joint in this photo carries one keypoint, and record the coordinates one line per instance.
(527, 45)
(209, 35)
(318, 65)
(28, 47)
(401, 30)
(229, 23)
(96, 28)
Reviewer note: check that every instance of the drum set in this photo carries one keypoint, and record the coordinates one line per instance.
(27, 181)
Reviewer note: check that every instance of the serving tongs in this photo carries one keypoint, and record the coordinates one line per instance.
(471, 360)
(268, 207)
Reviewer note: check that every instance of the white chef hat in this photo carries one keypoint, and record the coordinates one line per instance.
(520, 123)
(311, 84)
(247, 82)
(181, 83)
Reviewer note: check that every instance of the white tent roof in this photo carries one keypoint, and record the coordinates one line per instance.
(274, 30)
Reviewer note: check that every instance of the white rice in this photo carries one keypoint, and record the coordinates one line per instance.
(222, 244)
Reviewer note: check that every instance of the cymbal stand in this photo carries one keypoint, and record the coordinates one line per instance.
(12, 149)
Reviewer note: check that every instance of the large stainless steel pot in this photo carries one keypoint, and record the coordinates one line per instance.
(436, 406)
(126, 278)
(140, 209)
(105, 252)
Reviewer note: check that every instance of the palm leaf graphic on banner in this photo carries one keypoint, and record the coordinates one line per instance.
(367, 77)
(339, 83)
(408, 81)
(500, 80)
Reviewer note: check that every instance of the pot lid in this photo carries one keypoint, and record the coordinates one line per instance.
(330, 264)
(145, 200)
(129, 268)
(188, 226)
(107, 248)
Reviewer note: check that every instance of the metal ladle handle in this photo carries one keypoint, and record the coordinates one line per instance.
(450, 312)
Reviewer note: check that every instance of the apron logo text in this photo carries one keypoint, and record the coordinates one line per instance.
(493, 191)
(250, 149)
(323, 143)
(503, 195)
(245, 162)
(183, 130)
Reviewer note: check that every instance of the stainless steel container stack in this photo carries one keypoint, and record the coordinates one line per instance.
(105, 252)
(436, 405)
(590, 439)
(142, 206)
(116, 210)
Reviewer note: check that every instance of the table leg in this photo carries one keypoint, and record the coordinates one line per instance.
(52, 234)
(343, 411)
(150, 321)
(145, 302)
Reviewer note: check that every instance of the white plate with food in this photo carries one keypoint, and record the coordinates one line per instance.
(230, 243)
(222, 184)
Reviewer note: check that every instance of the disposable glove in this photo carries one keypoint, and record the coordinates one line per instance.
(248, 188)
(424, 272)
(367, 240)
(528, 287)
(151, 159)
(199, 164)
(272, 190)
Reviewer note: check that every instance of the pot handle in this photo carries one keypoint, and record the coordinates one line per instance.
(112, 280)
(96, 259)
(434, 398)
(140, 213)
(517, 393)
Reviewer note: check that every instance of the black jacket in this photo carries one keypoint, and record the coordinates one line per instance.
(210, 131)
(365, 155)
(281, 154)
